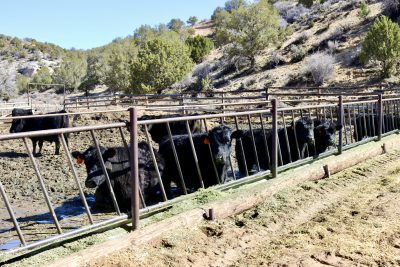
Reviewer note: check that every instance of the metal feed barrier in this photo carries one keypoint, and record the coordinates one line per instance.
(226, 98)
(349, 114)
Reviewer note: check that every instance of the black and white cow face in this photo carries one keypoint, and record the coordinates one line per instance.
(220, 140)
(95, 174)
(18, 125)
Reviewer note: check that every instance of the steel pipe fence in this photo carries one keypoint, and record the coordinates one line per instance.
(265, 140)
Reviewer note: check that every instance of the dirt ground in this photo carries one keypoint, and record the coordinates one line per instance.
(22, 187)
(350, 219)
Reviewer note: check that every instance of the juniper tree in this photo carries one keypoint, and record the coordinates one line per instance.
(382, 44)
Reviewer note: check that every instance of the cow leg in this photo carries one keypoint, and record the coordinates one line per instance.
(40, 147)
(57, 148)
(34, 146)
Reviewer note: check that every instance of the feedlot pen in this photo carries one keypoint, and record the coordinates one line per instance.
(44, 200)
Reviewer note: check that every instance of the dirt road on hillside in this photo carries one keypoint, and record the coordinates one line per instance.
(350, 219)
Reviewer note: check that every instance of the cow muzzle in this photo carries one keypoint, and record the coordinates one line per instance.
(93, 182)
(219, 159)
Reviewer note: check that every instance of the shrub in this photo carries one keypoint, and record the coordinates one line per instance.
(321, 67)
(290, 12)
(199, 47)
(297, 52)
(364, 10)
(22, 83)
(382, 44)
(159, 64)
(333, 46)
(42, 76)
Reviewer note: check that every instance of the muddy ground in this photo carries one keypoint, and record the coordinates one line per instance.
(350, 219)
(22, 187)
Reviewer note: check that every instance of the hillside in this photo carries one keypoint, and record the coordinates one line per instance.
(337, 24)
(333, 27)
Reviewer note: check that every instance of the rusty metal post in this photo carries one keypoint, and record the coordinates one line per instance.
(42, 186)
(380, 116)
(76, 177)
(11, 212)
(340, 119)
(134, 167)
(274, 166)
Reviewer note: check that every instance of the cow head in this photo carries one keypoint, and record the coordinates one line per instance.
(18, 125)
(325, 133)
(95, 174)
(305, 131)
(220, 140)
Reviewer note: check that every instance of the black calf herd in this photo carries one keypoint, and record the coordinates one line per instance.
(208, 166)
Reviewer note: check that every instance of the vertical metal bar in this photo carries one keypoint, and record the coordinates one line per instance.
(286, 137)
(295, 136)
(212, 158)
(178, 165)
(371, 114)
(231, 165)
(345, 128)
(125, 143)
(365, 130)
(134, 160)
(241, 147)
(340, 119)
(349, 119)
(274, 169)
(75, 175)
(253, 143)
(265, 143)
(392, 114)
(11, 213)
(357, 138)
(42, 186)
(380, 116)
(103, 167)
(153, 157)
(196, 160)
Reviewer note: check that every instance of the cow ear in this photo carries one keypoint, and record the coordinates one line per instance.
(109, 153)
(237, 134)
(339, 127)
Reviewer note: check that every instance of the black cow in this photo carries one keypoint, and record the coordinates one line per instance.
(367, 125)
(159, 130)
(305, 136)
(219, 139)
(325, 135)
(37, 124)
(117, 163)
